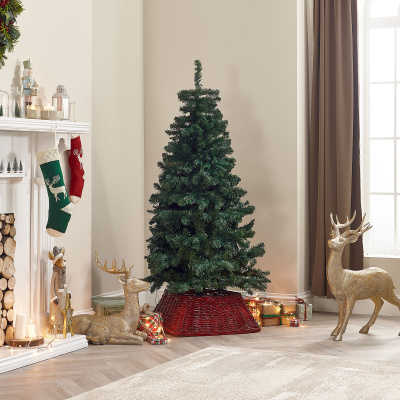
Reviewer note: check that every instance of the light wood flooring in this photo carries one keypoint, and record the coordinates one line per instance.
(71, 374)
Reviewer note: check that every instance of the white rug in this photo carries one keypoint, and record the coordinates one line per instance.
(235, 373)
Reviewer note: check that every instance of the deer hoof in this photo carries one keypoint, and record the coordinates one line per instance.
(364, 329)
(338, 338)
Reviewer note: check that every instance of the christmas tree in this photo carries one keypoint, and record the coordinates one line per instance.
(15, 165)
(17, 111)
(198, 239)
(1, 111)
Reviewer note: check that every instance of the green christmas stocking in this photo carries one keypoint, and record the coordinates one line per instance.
(60, 208)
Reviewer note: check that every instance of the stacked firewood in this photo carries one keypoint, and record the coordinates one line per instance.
(7, 279)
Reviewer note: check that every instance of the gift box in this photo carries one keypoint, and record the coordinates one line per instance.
(303, 311)
(254, 304)
(269, 312)
(152, 324)
(276, 319)
(294, 322)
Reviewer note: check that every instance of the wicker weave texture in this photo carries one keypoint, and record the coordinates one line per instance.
(217, 312)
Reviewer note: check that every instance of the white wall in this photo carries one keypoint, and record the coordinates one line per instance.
(58, 39)
(118, 142)
(249, 52)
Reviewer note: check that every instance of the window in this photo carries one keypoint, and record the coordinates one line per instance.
(381, 167)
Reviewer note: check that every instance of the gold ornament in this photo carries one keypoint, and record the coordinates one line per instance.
(349, 286)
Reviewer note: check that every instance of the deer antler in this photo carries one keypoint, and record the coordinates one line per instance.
(114, 269)
(336, 226)
(360, 230)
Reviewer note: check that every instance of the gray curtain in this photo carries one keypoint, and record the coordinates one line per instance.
(335, 184)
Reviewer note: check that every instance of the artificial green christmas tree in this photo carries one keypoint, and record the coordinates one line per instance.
(199, 240)
(1, 111)
(17, 111)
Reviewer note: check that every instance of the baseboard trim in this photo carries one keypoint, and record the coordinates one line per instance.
(361, 307)
(152, 298)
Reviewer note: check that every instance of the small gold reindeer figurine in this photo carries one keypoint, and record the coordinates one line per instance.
(349, 286)
(117, 328)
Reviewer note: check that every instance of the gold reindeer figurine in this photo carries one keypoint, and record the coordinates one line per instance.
(349, 286)
(117, 328)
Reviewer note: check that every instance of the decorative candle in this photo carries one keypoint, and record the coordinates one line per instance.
(33, 112)
(20, 326)
(48, 107)
(51, 114)
(31, 330)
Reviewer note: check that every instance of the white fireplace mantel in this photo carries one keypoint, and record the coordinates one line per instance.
(42, 126)
(25, 195)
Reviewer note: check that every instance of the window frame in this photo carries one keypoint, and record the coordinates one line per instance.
(369, 24)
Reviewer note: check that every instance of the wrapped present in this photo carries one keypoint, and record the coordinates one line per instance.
(303, 310)
(276, 319)
(152, 324)
(268, 312)
(254, 304)
(294, 322)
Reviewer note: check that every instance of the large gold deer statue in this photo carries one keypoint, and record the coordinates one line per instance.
(349, 286)
(117, 328)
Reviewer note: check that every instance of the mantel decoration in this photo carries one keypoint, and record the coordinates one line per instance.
(9, 33)
(349, 286)
(199, 245)
(60, 305)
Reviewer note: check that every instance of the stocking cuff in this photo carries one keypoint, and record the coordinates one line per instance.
(74, 136)
(48, 156)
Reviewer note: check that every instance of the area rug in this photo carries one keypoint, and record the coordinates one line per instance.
(219, 372)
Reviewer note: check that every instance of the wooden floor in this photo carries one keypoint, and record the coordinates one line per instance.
(71, 374)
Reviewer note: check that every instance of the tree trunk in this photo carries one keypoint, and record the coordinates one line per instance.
(11, 283)
(7, 279)
(8, 299)
(9, 334)
(6, 229)
(9, 246)
(8, 267)
(10, 315)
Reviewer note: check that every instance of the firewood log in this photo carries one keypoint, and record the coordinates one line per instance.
(10, 219)
(1, 224)
(8, 267)
(1, 247)
(13, 231)
(2, 217)
(1, 235)
(3, 284)
(6, 229)
(10, 315)
(8, 300)
(2, 337)
(1, 298)
(9, 334)
(9, 246)
(3, 324)
(1, 260)
(4, 312)
(11, 283)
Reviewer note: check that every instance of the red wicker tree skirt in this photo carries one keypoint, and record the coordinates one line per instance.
(218, 312)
